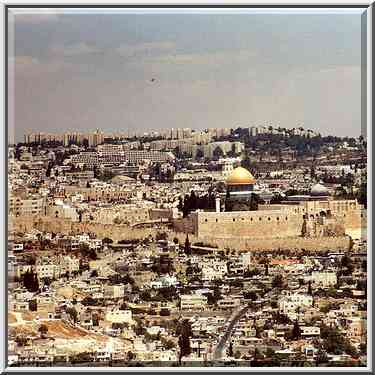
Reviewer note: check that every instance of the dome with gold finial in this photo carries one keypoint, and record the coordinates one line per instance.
(240, 176)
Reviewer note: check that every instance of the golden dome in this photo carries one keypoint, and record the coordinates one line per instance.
(240, 176)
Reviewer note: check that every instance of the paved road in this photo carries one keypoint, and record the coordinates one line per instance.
(236, 316)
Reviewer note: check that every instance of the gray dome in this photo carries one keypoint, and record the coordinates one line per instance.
(319, 190)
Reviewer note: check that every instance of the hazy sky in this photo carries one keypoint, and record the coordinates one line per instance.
(81, 70)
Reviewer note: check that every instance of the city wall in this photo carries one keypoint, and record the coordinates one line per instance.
(297, 244)
(251, 224)
(241, 235)
(275, 222)
(56, 225)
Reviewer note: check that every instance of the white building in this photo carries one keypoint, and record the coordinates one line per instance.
(288, 304)
(193, 301)
(228, 303)
(214, 270)
(50, 271)
(119, 316)
(114, 291)
(63, 210)
(69, 264)
(323, 279)
(310, 331)
(30, 206)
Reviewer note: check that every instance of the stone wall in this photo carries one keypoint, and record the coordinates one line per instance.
(115, 232)
(297, 244)
(251, 224)
(239, 231)
(276, 221)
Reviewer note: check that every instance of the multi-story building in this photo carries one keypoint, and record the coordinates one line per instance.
(96, 138)
(192, 302)
(288, 304)
(119, 316)
(324, 279)
(114, 291)
(228, 303)
(214, 270)
(218, 149)
(92, 159)
(69, 264)
(30, 206)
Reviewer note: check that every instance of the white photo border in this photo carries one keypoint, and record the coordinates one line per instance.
(367, 85)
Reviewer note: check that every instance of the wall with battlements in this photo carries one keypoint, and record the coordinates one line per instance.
(297, 244)
(276, 221)
(249, 224)
(266, 229)
(115, 232)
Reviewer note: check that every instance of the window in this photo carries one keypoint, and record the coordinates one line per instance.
(269, 219)
(260, 219)
(234, 219)
(286, 218)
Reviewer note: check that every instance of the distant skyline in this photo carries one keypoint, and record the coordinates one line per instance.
(87, 69)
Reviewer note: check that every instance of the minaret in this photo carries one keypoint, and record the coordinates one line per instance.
(217, 204)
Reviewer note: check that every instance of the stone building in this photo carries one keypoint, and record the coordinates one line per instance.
(315, 215)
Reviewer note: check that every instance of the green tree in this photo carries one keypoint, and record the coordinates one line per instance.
(33, 305)
(218, 153)
(335, 342)
(164, 312)
(257, 355)
(246, 162)
(43, 330)
(309, 289)
(168, 344)
(94, 273)
(184, 332)
(363, 348)
(21, 340)
(270, 352)
(346, 265)
(30, 281)
(230, 349)
(73, 314)
(277, 282)
(321, 356)
(187, 246)
(296, 331)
